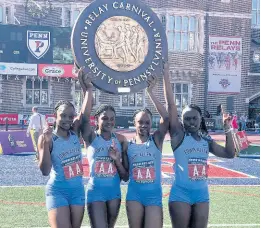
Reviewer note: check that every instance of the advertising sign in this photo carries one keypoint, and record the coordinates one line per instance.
(13, 142)
(224, 64)
(18, 69)
(56, 70)
(12, 119)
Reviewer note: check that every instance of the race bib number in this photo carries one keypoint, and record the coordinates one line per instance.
(104, 167)
(72, 167)
(143, 172)
(198, 169)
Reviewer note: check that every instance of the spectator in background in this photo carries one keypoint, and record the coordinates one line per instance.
(234, 122)
(257, 123)
(22, 121)
(243, 120)
(37, 123)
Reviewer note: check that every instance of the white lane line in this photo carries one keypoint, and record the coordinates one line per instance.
(232, 170)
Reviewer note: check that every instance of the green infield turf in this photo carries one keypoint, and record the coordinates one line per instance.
(230, 207)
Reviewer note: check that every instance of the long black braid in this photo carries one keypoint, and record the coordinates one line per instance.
(102, 108)
(58, 104)
(203, 128)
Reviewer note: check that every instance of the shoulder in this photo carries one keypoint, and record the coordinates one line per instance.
(207, 138)
(120, 137)
(32, 116)
(73, 133)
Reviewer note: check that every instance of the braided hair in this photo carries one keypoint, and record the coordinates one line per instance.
(203, 128)
(102, 108)
(141, 110)
(58, 104)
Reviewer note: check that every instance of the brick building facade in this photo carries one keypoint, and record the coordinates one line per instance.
(188, 26)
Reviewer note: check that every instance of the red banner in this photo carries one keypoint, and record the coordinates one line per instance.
(12, 118)
(56, 70)
(242, 140)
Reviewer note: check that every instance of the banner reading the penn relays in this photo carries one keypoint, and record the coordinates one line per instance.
(224, 64)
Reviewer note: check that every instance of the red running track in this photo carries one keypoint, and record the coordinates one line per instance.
(255, 139)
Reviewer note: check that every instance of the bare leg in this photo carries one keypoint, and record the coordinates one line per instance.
(77, 213)
(113, 207)
(180, 214)
(153, 217)
(97, 212)
(200, 212)
(60, 217)
(135, 213)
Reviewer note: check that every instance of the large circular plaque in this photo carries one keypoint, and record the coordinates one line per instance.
(122, 43)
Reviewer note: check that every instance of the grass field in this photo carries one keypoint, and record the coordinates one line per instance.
(240, 206)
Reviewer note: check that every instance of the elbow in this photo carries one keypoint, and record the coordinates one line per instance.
(230, 154)
(166, 119)
(45, 170)
(125, 177)
(46, 174)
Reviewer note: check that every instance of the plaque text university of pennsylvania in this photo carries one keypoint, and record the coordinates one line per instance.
(122, 43)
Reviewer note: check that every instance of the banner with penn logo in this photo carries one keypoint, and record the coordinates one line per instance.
(38, 43)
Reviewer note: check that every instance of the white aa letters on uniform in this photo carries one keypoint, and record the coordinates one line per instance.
(139, 176)
(110, 169)
(148, 176)
(195, 173)
(101, 168)
(203, 171)
(78, 170)
(71, 171)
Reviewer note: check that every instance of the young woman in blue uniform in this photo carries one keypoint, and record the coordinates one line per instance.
(143, 162)
(104, 148)
(61, 157)
(189, 196)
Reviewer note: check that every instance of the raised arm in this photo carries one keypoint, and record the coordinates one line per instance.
(159, 135)
(82, 122)
(175, 127)
(44, 148)
(229, 150)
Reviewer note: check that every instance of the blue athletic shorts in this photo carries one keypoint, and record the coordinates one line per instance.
(190, 196)
(61, 197)
(145, 197)
(104, 194)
